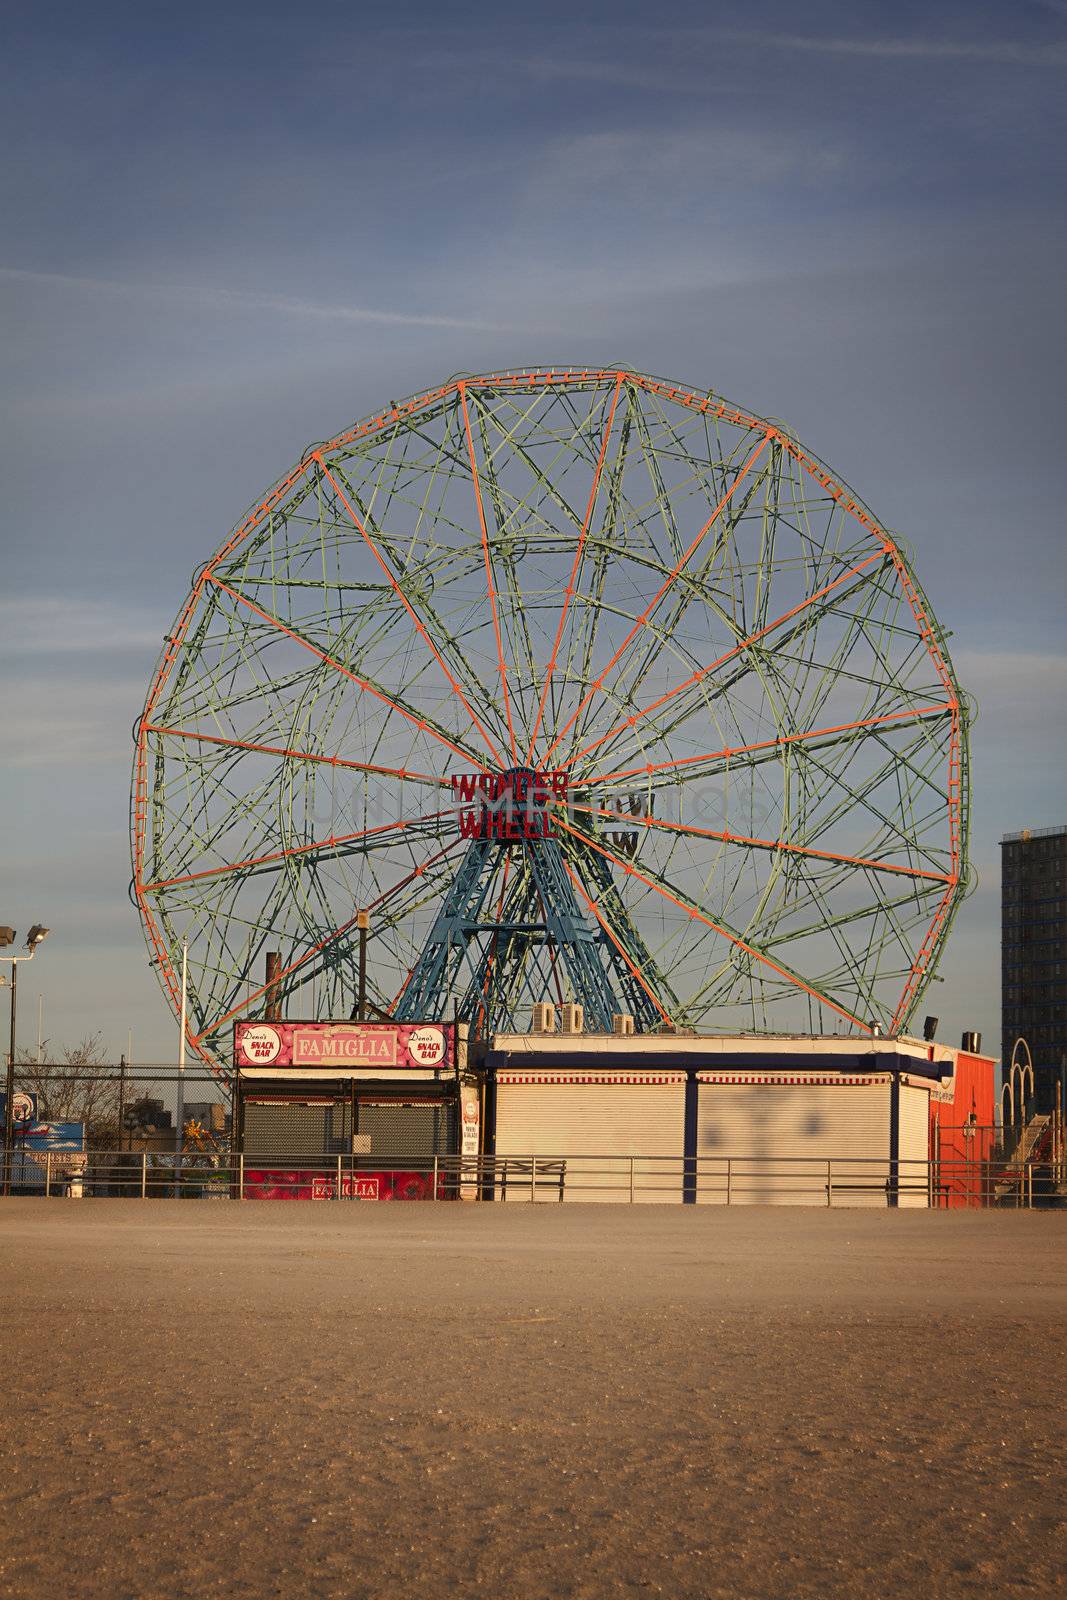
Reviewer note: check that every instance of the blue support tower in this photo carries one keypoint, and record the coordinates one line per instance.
(537, 942)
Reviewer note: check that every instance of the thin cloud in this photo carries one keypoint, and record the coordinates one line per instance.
(222, 299)
(1013, 681)
(41, 625)
(1001, 51)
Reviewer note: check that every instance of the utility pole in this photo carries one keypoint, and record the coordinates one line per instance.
(7, 936)
(363, 924)
(180, 1132)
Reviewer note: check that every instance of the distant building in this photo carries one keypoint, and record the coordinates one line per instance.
(1034, 952)
(146, 1115)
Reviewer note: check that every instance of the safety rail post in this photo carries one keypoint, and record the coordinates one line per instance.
(433, 1191)
(631, 1180)
(241, 1176)
(337, 1196)
(144, 1174)
(929, 1186)
(48, 1175)
(1029, 1186)
(829, 1184)
(533, 1180)
(729, 1178)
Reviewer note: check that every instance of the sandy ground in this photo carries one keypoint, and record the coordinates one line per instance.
(359, 1400)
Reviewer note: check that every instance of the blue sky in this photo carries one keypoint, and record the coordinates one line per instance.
(230, 230)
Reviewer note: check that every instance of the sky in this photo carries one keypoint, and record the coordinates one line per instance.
(229, 230)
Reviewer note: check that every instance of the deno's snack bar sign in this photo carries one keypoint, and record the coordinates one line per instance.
(388, 1045)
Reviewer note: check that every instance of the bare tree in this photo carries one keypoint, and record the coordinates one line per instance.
(76, 1084)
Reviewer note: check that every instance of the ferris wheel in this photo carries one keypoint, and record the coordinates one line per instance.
(584, 686)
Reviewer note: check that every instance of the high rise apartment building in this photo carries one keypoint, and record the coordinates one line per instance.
(1034, 952)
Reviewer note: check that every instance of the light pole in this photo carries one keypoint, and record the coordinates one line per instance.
(181, 1073)
(7, 936)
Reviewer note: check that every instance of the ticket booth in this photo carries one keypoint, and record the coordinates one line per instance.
(370, 1110)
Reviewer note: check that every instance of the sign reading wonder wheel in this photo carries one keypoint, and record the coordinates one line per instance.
(391, 1046)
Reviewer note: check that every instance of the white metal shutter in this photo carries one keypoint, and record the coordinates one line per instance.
(602, 1128)
(914, 1144)
(766, 1139)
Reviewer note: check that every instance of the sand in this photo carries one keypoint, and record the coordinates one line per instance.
(356, 1400)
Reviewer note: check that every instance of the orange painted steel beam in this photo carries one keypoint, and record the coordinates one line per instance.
(635, 970)
(632, 822)
(488, 571)
(194, 1039)
(642, 620)
(251, 999)
(729, 752)
(295, 755)
(573, 579)
(700, 916)
(420, 626)
(418, 872)
(330, 843)
(361, 683)
(713, 666)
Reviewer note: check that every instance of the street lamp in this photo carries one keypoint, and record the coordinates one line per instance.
(35, 937)
(182, 1024)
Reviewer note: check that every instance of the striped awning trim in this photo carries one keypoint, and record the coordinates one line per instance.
(653, 1079)
(837, 1080)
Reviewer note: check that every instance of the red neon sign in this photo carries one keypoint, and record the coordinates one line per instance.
(509, 806)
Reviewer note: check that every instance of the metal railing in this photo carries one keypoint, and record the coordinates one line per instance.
(542, 1178)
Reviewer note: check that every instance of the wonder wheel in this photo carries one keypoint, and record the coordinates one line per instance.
(583, 685)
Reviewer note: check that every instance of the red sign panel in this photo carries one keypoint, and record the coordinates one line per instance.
(287, 1184)
(389, 1046)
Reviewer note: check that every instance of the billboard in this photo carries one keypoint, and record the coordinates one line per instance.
(388, 1046)
(36, 1141)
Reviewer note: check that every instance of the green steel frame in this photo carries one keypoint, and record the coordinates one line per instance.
(592, 572)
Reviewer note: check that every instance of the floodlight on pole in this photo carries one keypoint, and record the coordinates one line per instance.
(180, 1134)
(7, 936)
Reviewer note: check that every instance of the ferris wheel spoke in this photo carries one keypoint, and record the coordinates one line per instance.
(278, 978)
(710, 478)
(722, 686)
(767, 747)
(299, 967)
(423, 723)
(683, 902)
(576, 566)
(643, 619)
(516, 624)
(358, 523)
(295, 755)
(635, 970)
(488, 572)
(729, 655)
(856, 799)
(849, 961)
(781, 846)
(333, 844)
